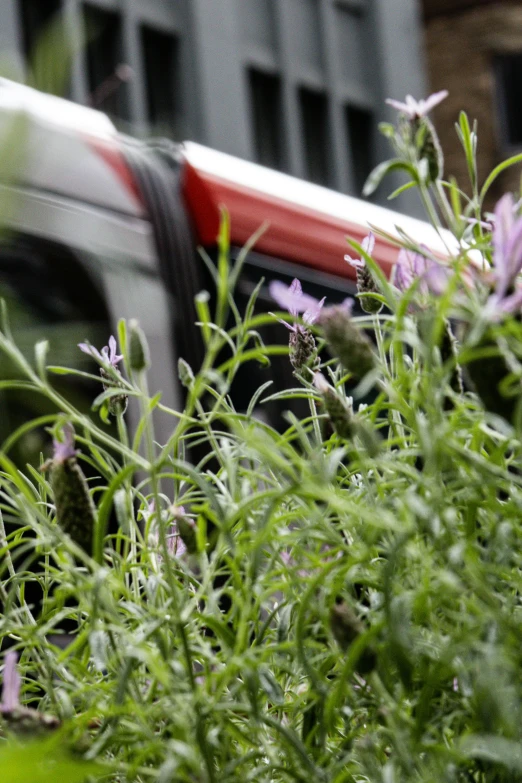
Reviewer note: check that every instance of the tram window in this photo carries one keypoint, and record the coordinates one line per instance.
(50, 295)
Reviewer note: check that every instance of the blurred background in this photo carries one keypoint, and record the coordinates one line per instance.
(296, 85)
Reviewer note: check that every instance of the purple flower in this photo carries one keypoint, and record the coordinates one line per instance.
(64, 449)
(107, 355)
(175, 544)
(487, 225)
(413, 109)
(498, 306)
(293, 299)
(507, 245)
(411, 266)
(11, 684)
(367, 245)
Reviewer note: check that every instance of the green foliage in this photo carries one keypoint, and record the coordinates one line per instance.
(43, 760)
(324, 603)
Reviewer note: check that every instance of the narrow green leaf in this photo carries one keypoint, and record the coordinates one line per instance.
(380, 171)
(401, 189)
(201, 301)
(40, 351)
(497, 171)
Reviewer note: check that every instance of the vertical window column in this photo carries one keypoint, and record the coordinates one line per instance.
(106, 70)
(508, 68)
(161, 62)
(45, 49)
(360, 131)
(36, 16)
(267, 119)
(316, 136)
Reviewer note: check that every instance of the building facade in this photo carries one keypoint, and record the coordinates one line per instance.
(298, 85)
(474, 50)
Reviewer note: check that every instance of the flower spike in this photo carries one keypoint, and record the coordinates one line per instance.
(303, 350)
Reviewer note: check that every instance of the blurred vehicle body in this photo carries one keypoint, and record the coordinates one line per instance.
(97, 226)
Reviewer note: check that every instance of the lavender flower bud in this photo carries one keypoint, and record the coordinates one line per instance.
(346, 628)
(347, 342)
(366, 285)
(365, 280)
(185, 373)
(138, 348)
(108, 358)
(31, 723)
(339, 413)
(429, 148)
(20, 719)
(187, 532)
(303, 349)
(75, 511)
(118, 403)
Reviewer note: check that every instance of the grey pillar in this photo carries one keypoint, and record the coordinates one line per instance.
(398, 41)
(73, 22)
(399, 45)
(221, 78)
(11, 60)
(340, 139)
(133, 56)
(290, 80)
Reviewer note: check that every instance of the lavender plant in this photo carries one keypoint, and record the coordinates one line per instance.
(338, 601)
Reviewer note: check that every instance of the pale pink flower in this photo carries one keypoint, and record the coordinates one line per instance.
(413, 109)
(175, 544)
(507, 245)
(293, 299)
(507, 260)
(412, 266)
(487, 225)
(107, 355)
(64, 449)
(11, 684)
(367, 245)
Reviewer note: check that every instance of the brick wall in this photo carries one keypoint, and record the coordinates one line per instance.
(460, 52)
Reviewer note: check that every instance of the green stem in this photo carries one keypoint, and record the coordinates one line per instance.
(133, 551)
(169, 574)
(315, 421)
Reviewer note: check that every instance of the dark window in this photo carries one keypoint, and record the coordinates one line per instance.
(266, 112)
(359, 124)
(36, 16)
(50, 294)
(162, 77)
(105, 69)
(44, 45)
(315, 129)
(509, 76)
